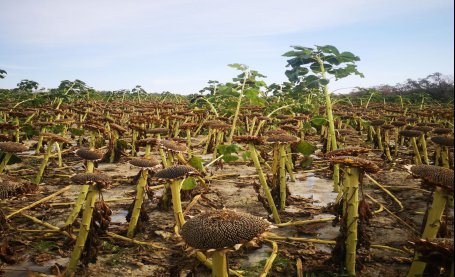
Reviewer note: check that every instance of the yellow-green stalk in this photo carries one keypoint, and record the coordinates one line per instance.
(177, 204)
(219, 264)
(140, 191)
(352, 210)
(114, 138)
(188, 141)
(209, 138)
(445, 157)
(431, 229)
(40, 141)
(417, 158)
(379, 137)
(387, 145)
(44, 162)
(83, 231)
(423, 143)
(282, 169)
(5, 161)
(264, 185)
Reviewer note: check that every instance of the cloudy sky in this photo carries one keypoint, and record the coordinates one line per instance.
(180, 45)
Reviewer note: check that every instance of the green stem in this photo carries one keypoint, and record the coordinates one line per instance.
(219, 264)
(90, 166)
(431, 228)
(423, 143)
(140, 191)
(44, 163)
(289, 168)
(92, 140)
(83, 231)
(387, 145)
(78, 205)
(148, 147)
(379, 136)
(133, 143)
(237, 110)
(209, 138)
(282, 177)
(397, 144)
(331, 121)
(417, 158)
(263, 182)
(258, 129)
(437, 155)
(114, 143)
(59, 154)
(40, 141)
(188, 142)
(445, 157)
(162, 154)
(5, 161)
(177, 204)
(352, 208)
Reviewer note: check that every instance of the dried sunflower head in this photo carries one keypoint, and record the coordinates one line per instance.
(434, 175)
(350, 161)
(144, 162)
(102, 181)
(12, 147)
(348, 151)
(222, 229)
(249, 139)
(90, 155)
(175, 172)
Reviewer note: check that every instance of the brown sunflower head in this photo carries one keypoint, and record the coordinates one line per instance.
(348, 151)
(256, 140)
(101, 181)
(144, 162)
(350, 161)
(175, 172)
(12, 147)
(221, 229)
(434, 175)
(90, 155)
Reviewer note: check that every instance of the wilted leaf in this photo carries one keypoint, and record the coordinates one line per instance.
(318, 121)
(76, 132)
(13, 160)
(306, 162)
(229, 158)
(246, 155)
(56, 129)
(189, 183)
(196, 162)
(305, 148)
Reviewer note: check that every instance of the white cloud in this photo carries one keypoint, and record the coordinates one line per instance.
(179, 45)
(56, 23)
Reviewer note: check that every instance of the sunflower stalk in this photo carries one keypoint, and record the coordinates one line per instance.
(264, 185)
(83, 231)
(140, 191)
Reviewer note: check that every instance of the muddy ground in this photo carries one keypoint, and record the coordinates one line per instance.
(231, 187)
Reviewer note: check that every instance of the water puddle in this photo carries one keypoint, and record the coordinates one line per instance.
(118, 216)
(256, 258)
(20, 270)
(318, 189)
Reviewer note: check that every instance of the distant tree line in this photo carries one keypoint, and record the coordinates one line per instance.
(437, 86)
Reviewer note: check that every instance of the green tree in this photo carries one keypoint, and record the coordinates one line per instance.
(27, 85)
(313, 68)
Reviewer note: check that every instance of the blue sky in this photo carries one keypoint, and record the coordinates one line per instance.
(180, 45)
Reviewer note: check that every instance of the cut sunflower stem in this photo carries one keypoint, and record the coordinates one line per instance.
(53, 195)
(269, 262)
(386, 191)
